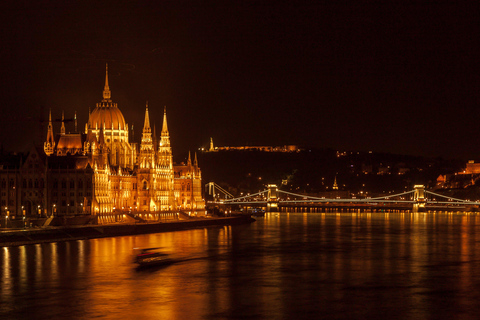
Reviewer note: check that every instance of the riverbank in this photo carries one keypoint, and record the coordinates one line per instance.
(53, 234)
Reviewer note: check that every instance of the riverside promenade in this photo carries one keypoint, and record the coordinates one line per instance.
(18, 237)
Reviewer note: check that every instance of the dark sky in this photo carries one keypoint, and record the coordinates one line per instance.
(395, 78)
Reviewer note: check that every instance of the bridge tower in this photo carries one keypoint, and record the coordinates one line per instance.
(272, 200)
(419, 198)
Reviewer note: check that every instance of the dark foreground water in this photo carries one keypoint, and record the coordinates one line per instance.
(284, 266)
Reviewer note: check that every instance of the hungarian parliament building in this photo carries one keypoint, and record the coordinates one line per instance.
(101, 173)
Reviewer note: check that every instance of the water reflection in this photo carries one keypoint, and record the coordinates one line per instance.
(287, 265)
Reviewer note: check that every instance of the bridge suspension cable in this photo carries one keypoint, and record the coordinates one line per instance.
(444, 196)
(211, 190)
(300, 195)
(352, 200)
(393, 195)
(247, 196)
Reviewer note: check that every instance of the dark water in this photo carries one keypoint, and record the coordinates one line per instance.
(284, 266)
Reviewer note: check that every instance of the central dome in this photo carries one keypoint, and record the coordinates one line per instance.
(106, 113)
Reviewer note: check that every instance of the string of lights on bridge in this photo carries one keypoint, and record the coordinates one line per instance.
(262, 197)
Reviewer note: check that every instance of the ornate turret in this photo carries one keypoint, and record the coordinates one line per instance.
(189, 161)
(62, 129)
(165, 168)
(335, 186)
(164, 136)
(146, 146)
(49, 145)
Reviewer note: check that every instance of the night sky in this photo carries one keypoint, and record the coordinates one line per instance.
(389, 78)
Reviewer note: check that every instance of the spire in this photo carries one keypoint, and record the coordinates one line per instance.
(164, 145)
(106, 91)
(165, 127)
(146, 146)
(195, 162)
(75, 117)
(50, 143)
(189, 161)
(62, 129)
(335, 186)
(146, 126)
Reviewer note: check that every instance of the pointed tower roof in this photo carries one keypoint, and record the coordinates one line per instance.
(50, 143)
(146, 126)
(195, 161)
(106, 90)
(62, 129)
(164, 126)
(189, 161)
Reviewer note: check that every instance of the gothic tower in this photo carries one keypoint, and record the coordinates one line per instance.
(146, 157)
(165, 192)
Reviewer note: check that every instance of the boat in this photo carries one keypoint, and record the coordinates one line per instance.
(151, 257)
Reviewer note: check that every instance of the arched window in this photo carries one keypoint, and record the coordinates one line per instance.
(144, 185)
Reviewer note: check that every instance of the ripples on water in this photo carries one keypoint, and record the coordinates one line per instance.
(284, 266)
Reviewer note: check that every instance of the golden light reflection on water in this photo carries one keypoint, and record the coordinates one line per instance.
(6, 273)
(339, 265)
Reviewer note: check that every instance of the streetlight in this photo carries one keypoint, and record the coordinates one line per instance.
(53, 209)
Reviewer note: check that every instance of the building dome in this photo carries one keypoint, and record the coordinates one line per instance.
(106, 113)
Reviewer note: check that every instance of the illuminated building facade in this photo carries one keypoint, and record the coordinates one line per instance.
(100, 172)
(188, 186)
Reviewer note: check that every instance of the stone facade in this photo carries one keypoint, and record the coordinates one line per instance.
(101, 172)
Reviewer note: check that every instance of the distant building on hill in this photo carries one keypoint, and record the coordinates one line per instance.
(285, 148)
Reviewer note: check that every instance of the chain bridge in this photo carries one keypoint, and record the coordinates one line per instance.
(274, 199)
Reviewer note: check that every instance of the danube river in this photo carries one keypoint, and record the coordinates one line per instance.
(284, 266)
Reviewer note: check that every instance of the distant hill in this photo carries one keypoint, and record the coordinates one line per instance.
(314, 170)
